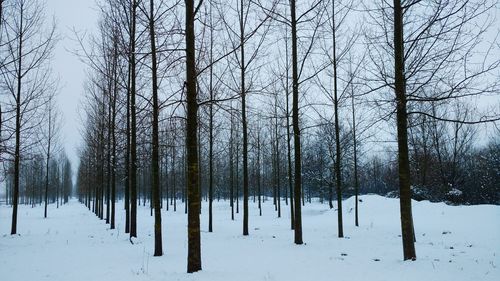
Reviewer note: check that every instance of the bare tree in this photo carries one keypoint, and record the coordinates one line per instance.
(29, 46)
(432, 63)
(155, 150)
(244, 58)
(51, 136)
(133, 122)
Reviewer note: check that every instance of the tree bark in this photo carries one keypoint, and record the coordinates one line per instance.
(289, 151)
(211, 132)
(113, 131)
(47, 164)
(108, 158)
(296, 128)
(244, 123)
(133, 129)
(278, 189)
(155, 149)
(402, 130)
(194, 247)
(338, 171)
(231, 165)
(127, 158)
(17, 152)
(259, 169)
(355, 150)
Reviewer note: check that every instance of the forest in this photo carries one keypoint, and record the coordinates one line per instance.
(234, 117)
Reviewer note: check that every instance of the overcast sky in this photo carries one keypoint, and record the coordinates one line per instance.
(82, 16)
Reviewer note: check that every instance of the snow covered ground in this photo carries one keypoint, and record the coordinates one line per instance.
(453, 243)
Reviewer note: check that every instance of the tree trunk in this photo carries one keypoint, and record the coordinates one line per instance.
(355, 150)
(278, 195)
(244, 123)
(237, 178)
(289, 151)
(113, 133)
(174, 183)
(402, 130)
(296, 129)
(133, 137)
(47, 164)
(17, 156)
(259, 193)
(338, 171)
(211, 132)
(127, 158)
(155, 157)
(108, 160)
(193, 194)
(231, 165)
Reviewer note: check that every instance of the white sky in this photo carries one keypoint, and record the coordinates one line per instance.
(80, 15)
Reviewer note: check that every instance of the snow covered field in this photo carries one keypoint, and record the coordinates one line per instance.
(453, 243)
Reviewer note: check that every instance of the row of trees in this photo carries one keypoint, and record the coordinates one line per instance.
(37, 187)
(281, 99)
(35, 169)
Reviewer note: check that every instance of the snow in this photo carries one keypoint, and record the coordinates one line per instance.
(455, 192)
(453, 243)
